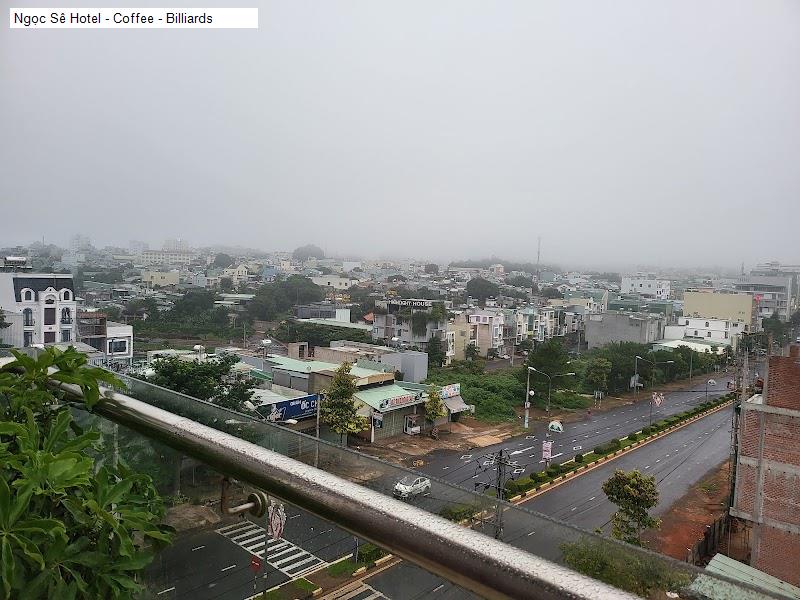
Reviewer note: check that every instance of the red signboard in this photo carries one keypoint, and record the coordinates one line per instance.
(255, 564)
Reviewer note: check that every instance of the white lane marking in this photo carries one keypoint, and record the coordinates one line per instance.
(294, 516)
(573, 508)
(165, 591)
(438, 588)
(592, 498)
(466, 456)
(228, 568)
(445, 468)
(647, 467)
(531, 533)
(198, 548)
(658, 460)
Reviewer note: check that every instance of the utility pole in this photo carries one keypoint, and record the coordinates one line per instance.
(502, 460)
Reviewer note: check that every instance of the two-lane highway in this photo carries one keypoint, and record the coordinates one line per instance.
(464, 468)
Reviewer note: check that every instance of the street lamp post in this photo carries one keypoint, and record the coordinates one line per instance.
(528, 395)
(653, 377)
(549, 383)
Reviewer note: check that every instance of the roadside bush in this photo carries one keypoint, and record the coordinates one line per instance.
(458, 512)
(615, 444)
(579, 458)
(633, 436)
(541, 477)
(599, 450)
(524, 484)
(512, 488)
(554, 470)
(370, 553)
(646, 430)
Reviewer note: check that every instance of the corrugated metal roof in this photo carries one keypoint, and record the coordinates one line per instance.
(378, 397)
(317, 366)
(733, 569)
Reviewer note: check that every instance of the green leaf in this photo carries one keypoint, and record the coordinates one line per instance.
(6, 565)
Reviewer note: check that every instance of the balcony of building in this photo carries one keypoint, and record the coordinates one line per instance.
(448, 542)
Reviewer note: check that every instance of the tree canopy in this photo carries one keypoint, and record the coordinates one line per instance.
(223, 261)
(277, 298)
(303, 253)
(432, 269)
(434, 406)
(69, 527)
(212, 380)
(436, 355)
(481, 289)
(552, 358)
(338, 409)
(634, 494)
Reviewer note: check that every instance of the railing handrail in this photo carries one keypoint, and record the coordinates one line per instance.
(467, 558)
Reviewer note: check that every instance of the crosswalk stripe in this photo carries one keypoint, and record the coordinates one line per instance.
(285, 559)
(256, 537)
(294, 566)
(289, 559)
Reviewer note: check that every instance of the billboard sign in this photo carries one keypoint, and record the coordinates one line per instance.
(547, 450)
(294, 408)
(448, 391)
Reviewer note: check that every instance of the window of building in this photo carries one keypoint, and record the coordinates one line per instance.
(50, 300)
(27, 317)
(706, 323)
(726, 335)
(49, 316)
(49, 337)
(708, 334)
(27, 295)
(67, 295)
(117, 346)
(65, 335)
(27, 338)
(695, 333)
(66, 316)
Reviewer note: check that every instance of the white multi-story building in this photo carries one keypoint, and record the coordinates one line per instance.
(646, 286)
(719, 331)
(41, 308)
(166, 257)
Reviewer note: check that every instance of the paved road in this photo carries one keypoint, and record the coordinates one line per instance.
(464, 468)
(215, 563)
(211, 564)
(678, 461)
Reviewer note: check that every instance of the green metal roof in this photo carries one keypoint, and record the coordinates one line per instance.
(718, 589)
(375, 397)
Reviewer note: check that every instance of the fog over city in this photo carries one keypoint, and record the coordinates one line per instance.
(622, 132)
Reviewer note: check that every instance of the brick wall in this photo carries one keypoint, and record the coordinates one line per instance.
(783, 382)
(774, 550)
(745, 488)
(776, 553)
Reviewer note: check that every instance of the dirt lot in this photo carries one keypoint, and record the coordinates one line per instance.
(686, 520)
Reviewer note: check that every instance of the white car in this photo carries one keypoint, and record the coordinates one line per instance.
(410, 486)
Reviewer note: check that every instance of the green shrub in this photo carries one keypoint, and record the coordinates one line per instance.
(646, 430)
(579, 458)
(553, 471)
(541, 477)
(633, 436)
(370, 553)
(615, 444)
(599, 450)
(459, 512)
(524, 484)
(512, 488)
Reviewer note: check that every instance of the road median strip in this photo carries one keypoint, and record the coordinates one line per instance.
(573, 472)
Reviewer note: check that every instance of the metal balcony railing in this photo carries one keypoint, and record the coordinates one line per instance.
(353, 491)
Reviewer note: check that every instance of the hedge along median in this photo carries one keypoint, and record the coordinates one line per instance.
(536, 481)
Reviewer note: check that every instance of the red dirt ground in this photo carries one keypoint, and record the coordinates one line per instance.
(686, 520)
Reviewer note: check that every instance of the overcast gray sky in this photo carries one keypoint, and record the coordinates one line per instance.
(620, 131)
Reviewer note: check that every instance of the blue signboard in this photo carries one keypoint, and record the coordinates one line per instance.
(295, 408)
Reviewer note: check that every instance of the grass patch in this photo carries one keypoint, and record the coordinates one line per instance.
(305, 584)
(345, 568)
